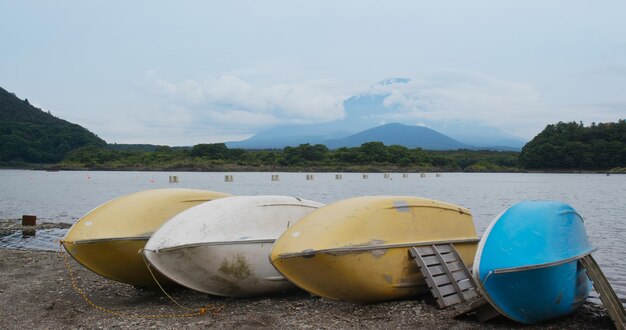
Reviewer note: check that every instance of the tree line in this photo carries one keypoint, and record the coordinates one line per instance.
(566, 146)
(371, 156)
(559, 147)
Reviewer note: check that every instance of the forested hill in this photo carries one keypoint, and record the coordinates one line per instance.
(30, 135)
(566, 146)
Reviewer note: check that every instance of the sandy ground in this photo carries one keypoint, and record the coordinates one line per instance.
(36, 292)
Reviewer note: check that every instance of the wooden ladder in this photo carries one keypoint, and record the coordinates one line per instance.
(607, 295)
(447, 277)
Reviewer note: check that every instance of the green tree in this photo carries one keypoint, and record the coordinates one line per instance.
(210, 151)
(574, 146)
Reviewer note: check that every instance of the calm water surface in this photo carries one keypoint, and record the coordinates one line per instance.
(66, 196)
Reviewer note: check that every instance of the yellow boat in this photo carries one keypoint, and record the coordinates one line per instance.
(357, 249)
(107, 240)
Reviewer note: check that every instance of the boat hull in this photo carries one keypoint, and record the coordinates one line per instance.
(527, 263)
(357, 249)
(362, 276)
(108, 239)
(222, 247)
(232, 270)
(117, 260)
(537, 295)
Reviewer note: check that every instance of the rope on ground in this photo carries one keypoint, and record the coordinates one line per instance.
(163, 290)
(193, 312)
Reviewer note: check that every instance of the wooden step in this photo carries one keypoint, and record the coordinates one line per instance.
(447, 277)
(607, 294)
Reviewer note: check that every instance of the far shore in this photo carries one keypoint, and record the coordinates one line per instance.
(293, 169)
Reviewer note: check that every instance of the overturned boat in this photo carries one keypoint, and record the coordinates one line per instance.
(107, 239)
(357, 249)
(527, 262)
(222, 247)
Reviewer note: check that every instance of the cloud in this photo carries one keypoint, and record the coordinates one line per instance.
(174, 127)
(462, 96)
(229, 100)
(227, 107)
(468, 97)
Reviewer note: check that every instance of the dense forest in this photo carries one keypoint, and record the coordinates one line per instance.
(559, 147)
(371, 156)
(30, 135)
(566, 146)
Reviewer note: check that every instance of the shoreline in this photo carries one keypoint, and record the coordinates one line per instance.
(312, 169)
(11, 226)
(37, 293)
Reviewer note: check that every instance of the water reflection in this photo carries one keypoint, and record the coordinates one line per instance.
(44, 240)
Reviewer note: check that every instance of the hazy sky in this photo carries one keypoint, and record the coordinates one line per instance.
(188, 72)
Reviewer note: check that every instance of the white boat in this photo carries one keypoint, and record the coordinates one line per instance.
(223, 248)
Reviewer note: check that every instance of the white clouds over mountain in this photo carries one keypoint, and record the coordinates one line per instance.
(229, 107)
(229, 100)
(463, 96)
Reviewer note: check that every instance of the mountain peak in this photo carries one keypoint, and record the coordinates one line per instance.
(394, 125)
(400, 134)
(391, 81)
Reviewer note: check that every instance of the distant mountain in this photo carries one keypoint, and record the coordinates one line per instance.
(481, 136)
(367, 110)
(28, 134)
(292, 135)
(359, 109)
(404, 135)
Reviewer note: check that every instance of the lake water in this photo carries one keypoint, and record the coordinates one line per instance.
(65, 196)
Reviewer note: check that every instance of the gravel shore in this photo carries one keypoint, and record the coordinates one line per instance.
(36, 292)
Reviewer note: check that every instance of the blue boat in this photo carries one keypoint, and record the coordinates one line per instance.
(527, 266)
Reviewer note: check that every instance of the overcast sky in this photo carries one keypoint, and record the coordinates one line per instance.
(188, 72)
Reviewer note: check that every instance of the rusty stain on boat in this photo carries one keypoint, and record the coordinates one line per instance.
(238, 268)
